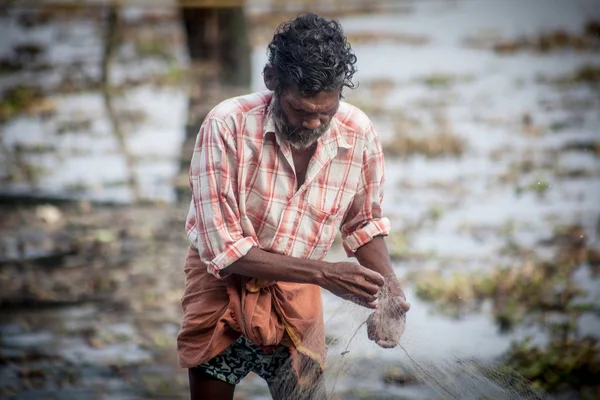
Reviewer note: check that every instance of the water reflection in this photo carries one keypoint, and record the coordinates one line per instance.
(490, 147)
(94, 103)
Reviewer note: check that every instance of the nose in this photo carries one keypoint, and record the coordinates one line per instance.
(312, 123)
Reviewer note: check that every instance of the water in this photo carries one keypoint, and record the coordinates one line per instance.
(485, 103)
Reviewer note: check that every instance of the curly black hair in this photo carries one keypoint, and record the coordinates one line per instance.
(313, 54)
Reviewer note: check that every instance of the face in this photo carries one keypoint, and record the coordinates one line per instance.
(301, 120)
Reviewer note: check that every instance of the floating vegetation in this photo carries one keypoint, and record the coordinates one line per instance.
(587, 74)
(528, 127)
(153, 47)
(9, 65)
(533, 286)
(23, 99)
(38, 148)
(542, 290)
(397, 375)
(564, 124)
(31, 18)
(443, 144)
(28, 52)
(539, 187)
(368, 106)
(398, 246)
(591, 147)
(396, 38)
(575, 173)
(587, 40)
(444, 81)
(563, 364)
(25, 56)
(78, 124)
(372, 97)
(432, 139)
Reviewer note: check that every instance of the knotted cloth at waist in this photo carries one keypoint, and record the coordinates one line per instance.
(217, 311)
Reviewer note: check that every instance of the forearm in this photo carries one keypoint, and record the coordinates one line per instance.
(261, 264)
(375, 256)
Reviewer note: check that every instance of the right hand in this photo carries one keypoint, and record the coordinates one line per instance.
(352, 281)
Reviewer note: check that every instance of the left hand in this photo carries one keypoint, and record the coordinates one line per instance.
(386, 324)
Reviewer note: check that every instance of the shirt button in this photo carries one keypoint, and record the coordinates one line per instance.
(279, 240)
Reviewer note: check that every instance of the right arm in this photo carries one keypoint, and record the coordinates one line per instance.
(348, 280)
(214, 228)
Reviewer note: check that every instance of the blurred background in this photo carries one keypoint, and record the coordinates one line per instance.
(489, 113)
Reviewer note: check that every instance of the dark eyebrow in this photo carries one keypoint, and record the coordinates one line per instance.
(296, 107)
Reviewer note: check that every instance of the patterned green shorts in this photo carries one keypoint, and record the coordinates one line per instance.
(236, 361)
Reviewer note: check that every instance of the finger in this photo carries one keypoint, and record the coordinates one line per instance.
(368, 304)
(372, 304)
(387, 344)
(405, 305)
(363, 281)
(369, 287)
(366, 297)
(373, 277)
(366, 300)
(400, 306)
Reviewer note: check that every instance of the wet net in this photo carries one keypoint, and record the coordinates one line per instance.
(451, 377)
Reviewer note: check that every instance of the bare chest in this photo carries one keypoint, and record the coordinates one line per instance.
(301, 161)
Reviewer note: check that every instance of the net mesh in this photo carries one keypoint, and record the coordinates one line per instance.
(449, 377)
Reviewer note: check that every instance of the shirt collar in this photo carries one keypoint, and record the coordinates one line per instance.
(268, 123)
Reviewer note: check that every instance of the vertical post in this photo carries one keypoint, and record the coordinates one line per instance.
(219, 48)
(220, 35)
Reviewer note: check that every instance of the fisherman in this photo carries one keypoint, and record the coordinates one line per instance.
(274, 174)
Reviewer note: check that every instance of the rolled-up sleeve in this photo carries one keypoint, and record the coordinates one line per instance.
(364, 220)
(213, 222)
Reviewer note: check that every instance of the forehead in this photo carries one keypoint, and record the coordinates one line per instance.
(320, 102)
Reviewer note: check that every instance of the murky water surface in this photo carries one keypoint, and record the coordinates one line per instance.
(525, 164)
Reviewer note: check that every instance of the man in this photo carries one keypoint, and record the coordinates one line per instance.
(273, 175)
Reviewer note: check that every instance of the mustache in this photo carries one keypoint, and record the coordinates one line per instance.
(309, 132)
(299, 138)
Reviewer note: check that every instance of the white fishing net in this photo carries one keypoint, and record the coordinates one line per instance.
(352, 375)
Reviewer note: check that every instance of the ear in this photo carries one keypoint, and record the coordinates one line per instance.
(269, 77)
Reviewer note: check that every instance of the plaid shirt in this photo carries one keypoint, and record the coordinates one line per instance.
(244, 186)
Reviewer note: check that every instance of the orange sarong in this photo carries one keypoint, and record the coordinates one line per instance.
(217, 311)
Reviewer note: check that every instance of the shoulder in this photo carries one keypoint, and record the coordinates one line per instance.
(238, 107)
(354, 122)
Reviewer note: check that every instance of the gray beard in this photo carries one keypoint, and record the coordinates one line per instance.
(299, 139)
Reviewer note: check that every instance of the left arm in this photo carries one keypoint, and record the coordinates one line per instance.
(364, 226)
(363, 230)
(375, 256)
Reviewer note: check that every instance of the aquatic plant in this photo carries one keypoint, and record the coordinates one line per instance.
(539, 290)
(560, 365)
(586, 40)
(444, 144)
(22, 99)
